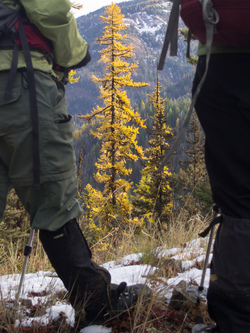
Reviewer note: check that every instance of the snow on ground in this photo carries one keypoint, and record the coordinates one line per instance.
(126, 269)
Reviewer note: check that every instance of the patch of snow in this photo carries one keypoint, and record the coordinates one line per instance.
(144, 22)
(52, 313)
(96, 329)
(192, 275)
(126, 269)
(124, 261)
(131, 274)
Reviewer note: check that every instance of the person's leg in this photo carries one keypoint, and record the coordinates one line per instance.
(56, 200)
(223, 108)
(229, 290)
(88, 284)
(4, 186)
(55, 207)
(6, 121)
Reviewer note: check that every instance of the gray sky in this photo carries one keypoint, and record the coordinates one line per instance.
(92, 5)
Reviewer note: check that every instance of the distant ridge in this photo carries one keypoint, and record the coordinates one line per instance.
(147, 20)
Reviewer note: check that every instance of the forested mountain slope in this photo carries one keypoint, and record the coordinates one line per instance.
(147, 22)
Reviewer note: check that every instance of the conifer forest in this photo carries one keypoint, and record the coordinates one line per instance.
(122, 140)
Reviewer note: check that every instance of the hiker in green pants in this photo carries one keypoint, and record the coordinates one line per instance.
(37, 157)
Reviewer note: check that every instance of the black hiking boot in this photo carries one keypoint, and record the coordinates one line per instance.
(202, 328)
(131, 296)
(69, 254)
(122, 299)
(91, 293)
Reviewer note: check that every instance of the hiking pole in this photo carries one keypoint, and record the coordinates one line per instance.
(209, 246)
(27, 252)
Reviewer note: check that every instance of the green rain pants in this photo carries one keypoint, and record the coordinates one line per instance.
(57, 203)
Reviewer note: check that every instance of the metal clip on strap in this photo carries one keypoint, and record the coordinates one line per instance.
(211, 18)
(209, 13)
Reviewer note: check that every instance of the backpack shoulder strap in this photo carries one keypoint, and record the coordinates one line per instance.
(171, 37)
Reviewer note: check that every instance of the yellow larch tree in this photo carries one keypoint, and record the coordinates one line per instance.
(119, 123)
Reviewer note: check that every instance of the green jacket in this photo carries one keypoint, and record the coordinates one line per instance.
(55, 21)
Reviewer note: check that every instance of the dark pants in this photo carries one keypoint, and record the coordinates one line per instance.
(223, 108)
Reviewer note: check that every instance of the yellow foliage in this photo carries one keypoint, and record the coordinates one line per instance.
(76, 134)
(73, 79)
(76, 5)
(119, 123)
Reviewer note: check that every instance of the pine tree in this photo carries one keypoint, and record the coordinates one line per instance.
(153, 195)
(119, 123)
(193, 174)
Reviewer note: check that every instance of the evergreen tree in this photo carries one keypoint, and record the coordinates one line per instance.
(153, 195)
(196, 193)
(119, 123)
